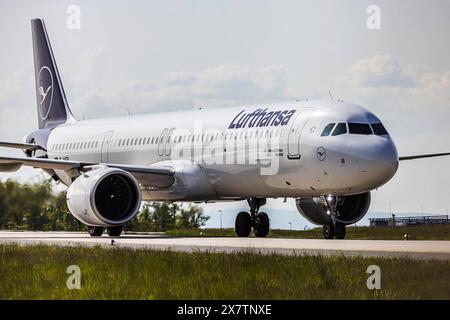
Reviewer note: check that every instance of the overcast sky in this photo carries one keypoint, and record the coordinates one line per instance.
(151, 56)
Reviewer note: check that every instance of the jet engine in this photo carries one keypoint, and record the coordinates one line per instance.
(350, 209)
(104, 197)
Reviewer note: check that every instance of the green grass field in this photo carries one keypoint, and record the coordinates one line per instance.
(441, 232)
(39, 272)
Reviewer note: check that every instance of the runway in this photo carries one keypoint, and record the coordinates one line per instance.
(369, 248)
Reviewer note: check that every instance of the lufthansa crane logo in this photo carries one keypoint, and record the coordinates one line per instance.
(321, 153)
(45, 91)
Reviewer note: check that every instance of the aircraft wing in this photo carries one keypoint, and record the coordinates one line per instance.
(157, 177)
(23, 146)
(421, 156)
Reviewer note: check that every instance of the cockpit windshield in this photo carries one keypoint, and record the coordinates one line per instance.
(359, 128)
(327, 130)
(379, 129)
(354, 128)
(341, 128)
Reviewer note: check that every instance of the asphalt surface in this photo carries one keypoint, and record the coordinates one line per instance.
(377, 248)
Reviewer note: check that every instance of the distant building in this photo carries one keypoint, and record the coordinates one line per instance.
(409, 221)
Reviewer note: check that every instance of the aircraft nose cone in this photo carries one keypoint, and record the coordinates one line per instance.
(388, 165)
(380, 161)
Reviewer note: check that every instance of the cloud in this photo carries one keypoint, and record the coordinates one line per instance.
(153, 96)
(216, 86)
(92, 103)
(380, 71)
(383, 82)
(180, 78)
(11, 85)
(435, 87)
(89, 72)
(17, 109)
(237, 82)
(415, 110)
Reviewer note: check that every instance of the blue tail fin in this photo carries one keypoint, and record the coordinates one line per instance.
(51, 100)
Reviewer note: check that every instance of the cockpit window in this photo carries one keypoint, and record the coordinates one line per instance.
(379, 129)
(327, 130)
(341, 128)
(359, 128)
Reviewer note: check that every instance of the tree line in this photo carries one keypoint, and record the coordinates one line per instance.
(36, 206)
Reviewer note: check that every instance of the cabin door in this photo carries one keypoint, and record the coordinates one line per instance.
(106, 146)
(293, 144)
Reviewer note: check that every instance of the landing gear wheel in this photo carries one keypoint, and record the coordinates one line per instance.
(328, 231)
(243, 224)
(114, 231)
(95, 231)
(262, 225)
(339, 230)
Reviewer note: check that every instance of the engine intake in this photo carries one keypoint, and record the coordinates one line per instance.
(104, 197)
(350, 209)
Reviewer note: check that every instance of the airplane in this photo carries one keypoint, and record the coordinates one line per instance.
(327, 155)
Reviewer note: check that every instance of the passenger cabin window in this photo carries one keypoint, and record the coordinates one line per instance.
(379, 129)
(359, 128)
(327, 130)
(341, 128)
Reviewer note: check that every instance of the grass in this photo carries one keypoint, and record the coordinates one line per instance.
(39, 272)
(439, 232)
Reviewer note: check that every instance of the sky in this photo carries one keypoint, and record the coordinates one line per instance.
(153, 56)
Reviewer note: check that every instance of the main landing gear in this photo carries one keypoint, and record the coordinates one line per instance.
(334, 229)
(259, 221)
(331, 231)
(112, 231)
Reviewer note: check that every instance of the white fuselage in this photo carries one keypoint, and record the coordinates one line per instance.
(239, 152)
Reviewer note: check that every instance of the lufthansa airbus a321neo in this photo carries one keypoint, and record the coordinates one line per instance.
(328, 155)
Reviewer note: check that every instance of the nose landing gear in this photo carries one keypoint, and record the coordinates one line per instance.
(334, 229)
(259, 221)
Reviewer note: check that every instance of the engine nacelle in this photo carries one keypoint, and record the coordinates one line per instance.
(350, 209)
(104, 197)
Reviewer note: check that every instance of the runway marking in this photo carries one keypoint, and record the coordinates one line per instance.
(372, 248)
